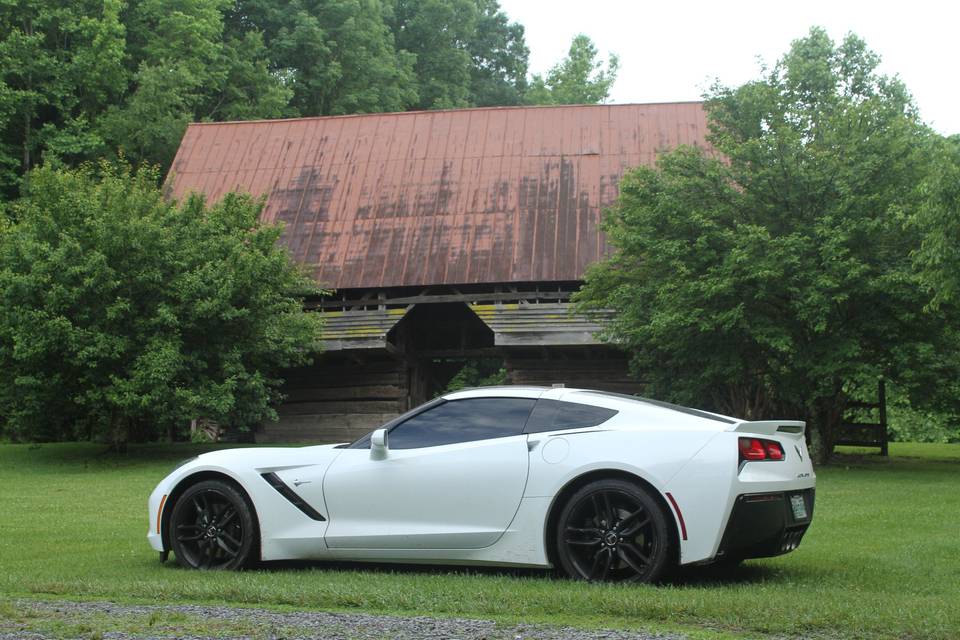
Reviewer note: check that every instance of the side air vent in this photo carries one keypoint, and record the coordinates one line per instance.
(288, 493)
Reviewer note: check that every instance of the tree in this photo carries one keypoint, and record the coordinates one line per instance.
(184, 68)
(80, 80)
(337, 56)
(939, 220)
(499, 54)
(60, 65)
(467, 52)
(437, 33)
(122, 314)
(775, 280)
(578, 79)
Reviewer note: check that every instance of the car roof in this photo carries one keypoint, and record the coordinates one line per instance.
(585, 396)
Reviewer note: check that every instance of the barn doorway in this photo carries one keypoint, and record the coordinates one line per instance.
(438, 341)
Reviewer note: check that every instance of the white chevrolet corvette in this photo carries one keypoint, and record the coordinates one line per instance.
(602, 486)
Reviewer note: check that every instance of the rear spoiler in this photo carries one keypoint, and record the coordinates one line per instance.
(771, 427)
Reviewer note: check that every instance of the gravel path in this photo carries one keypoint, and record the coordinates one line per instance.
(40, 620)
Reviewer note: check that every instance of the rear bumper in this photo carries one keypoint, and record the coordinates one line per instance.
(764, 524)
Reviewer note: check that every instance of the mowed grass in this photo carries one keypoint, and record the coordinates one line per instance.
(882, 559)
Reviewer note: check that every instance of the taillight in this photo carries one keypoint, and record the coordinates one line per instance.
(760, 449)
(774, 450)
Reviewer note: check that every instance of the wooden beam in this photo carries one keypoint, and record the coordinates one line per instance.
(460, 353)
(445, 297)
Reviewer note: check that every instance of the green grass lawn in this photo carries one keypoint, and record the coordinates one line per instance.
(881, 560)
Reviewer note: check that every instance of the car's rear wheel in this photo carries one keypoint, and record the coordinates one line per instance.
(613, 530)
(212, 527)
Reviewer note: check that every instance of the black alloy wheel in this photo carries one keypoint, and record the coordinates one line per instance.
(212, 527)
(613, 531)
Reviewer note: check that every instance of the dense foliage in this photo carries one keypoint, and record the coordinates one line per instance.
(939, 220)
(124, 315)
(777, 279)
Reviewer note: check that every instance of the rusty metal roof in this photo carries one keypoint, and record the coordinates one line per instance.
(510, 194)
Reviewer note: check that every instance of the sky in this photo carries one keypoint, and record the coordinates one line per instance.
(672, 51)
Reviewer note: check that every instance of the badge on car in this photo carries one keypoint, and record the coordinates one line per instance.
(799, 506)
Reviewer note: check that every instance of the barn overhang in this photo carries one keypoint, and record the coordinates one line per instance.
(359, 329)
(540, 324)
(515, 317)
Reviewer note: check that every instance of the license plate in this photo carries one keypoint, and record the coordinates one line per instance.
(799, 507)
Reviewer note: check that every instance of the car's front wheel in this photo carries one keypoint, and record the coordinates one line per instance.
(212, 527)
(613, 530)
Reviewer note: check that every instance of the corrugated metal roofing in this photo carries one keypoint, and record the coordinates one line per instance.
(437, 197)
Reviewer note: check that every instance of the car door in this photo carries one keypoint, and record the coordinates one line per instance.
(452, 478)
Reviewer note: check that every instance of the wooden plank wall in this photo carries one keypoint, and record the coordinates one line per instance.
(603, 374)
(338, 401)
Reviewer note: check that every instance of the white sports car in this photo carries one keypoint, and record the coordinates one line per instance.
(600, 485)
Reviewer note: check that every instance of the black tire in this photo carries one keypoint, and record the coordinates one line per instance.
(613, 531)
(212, 527)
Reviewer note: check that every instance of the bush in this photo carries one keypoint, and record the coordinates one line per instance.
(125, 315)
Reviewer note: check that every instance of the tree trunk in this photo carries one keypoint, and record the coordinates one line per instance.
(823, 427)
(119, 432)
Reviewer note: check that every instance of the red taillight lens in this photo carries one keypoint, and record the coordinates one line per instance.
(752, 449)
(774, 450)
(759, 449)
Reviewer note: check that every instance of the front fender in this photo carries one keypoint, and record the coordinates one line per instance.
(278, 519)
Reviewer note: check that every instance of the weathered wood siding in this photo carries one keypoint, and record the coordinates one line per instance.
(338, 401)
(603, 374)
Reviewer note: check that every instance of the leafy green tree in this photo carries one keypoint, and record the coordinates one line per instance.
(775, 279)
(369, 73)
(499, 55)
(939, 220)
(79, 80)
(467, 52)
(61, 63)
(183, 68)
(437, 32)
(580, 78)
(124, 315)
(337, 56)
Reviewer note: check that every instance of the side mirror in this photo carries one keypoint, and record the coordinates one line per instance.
(378, 444)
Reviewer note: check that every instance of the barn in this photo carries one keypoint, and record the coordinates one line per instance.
(444, 237)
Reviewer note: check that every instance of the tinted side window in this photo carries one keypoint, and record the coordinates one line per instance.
(364, 442)
(463, 421)
(553, 415)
